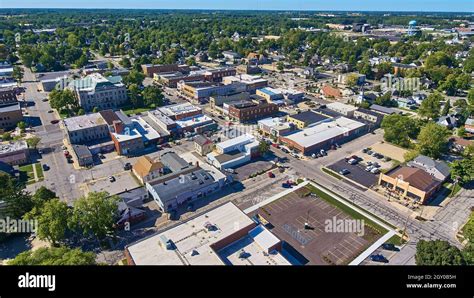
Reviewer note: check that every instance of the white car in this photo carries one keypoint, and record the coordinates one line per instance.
(375, 171)
(369, 168)
(352, 161)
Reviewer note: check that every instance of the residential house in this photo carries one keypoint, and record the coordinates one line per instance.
(147, 169)
(202, 145)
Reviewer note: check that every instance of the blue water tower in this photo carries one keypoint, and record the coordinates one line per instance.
(412, 30)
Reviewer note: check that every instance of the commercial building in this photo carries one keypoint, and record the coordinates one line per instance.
(8, 96)
(343, 109)
(171, 79)
(185, 183)
(305, 119)
(150, 69)
(469, 125)
(85, 129)
(181, 111)
(222, 236)
(14, 153)
(271, 95)
(248, 69)
(251, 82)
(202, 145)
(216, 102)
(410, 183)
(368, 115)
(324, 135)
(383, 110)
(83, 155)
(10, 115)
(200, 91)
(49, 81)
(275, 127)
(246, 111)
(234, 152)
(96, 91)
(147, 169)
(132, 136)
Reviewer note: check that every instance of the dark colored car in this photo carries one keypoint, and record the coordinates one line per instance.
(45, 167)
(127, 166)
(344, 172)
(54, 121)
(390, 246)
(378, 258)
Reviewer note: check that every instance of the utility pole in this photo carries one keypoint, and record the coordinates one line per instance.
(405, 226)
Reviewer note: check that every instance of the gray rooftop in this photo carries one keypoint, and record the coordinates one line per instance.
(309, 117)
(172, 161)
(189, 182)
(428, 162)
(382, 109)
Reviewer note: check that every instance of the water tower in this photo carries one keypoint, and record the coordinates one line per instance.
(412, 30)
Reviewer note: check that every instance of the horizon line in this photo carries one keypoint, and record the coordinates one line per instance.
(238, 9)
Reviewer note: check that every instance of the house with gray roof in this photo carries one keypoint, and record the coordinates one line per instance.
(436, 168)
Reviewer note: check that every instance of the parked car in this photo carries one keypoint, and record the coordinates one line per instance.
(375, 171)
(390, 246)
(63, 147)
(352, 161)
(378, 258)
(69, 160)
(50, 111)
(369, 168)
(66, 153)
(275, 145)
(323, 152)
(127, 166)
(54, 121)
(314, 155)
(369, 163)
(45, 99)
(111, 178)
(370, 152)
(271, 175)
(344, 172)
(365, 150)
(45, 167)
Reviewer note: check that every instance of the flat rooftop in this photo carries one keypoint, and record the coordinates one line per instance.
(192, 239)
(178, 109)
(13, 147)
(324, 131)
(84, 121)
(309, 117)
(194, 121)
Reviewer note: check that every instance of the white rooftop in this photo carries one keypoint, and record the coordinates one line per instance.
(192, 239)
(178, 109)
(138, 129)
(194, 121)
(243, 139)
(337, 106)
(324, 131)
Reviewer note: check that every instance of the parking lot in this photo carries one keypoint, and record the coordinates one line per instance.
(388, 254)
(357, 173)
(287, 217)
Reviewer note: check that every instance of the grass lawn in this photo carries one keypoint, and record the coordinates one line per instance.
(39, 171)
(346, 209)
(395, 240)
(329, 172)
(350, 203)
(132, 111)
(26, 174)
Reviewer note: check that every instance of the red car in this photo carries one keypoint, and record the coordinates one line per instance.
(275, 145)
(271, 175)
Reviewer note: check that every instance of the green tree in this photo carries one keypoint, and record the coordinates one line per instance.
(152, 96)
(95, 214)
(6, 136)
(22, 126)
(17, 200)
(125, 62)
(385, 100)
(399, 129)
(430, 107)
(134, 77)
(52, 221)
(135, 96)
(461, 132)
(263, 147)
(18, 74)
(352, 80)
(57, 256)
(63, 100)
(33, 142)
(433, 140)
(43, 195)
(437, 252)
(280, 66)
(463, 170)
(446, 108)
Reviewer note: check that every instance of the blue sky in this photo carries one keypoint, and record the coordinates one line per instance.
(377, 5)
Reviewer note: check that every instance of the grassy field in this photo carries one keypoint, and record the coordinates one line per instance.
(132, 111)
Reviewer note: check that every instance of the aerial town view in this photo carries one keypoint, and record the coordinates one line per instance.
(236, 134)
